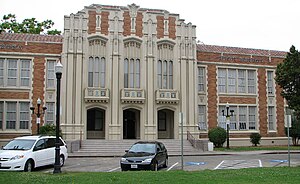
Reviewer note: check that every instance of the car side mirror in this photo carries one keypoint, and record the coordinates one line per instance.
(126, 151)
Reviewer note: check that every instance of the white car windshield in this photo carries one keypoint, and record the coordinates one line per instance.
(147, 148)
(19, 144)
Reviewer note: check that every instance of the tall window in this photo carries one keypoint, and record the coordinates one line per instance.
(15, 72)
(24, 115)
(242, 81)
(236, 81)
(165, 74)
(1, 72)
(132, 73)
(271, 118)
(202, 117)
(25, 72)
(270, 83)
(1, 115)
(51, 74)
(11, 115)
(201, 79)
(12, 72)
(96, 72)
(244, 118)
(50, 114)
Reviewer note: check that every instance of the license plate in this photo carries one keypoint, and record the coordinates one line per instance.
(134, 166)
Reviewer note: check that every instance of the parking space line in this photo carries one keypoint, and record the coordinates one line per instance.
(114, 169)
(219, 165)
(172, 166)
(260, 163)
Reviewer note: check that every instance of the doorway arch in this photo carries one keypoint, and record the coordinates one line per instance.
(131, 124)
(165, 124)
(95, 123)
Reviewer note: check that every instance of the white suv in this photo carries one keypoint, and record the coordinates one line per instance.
(28, 152)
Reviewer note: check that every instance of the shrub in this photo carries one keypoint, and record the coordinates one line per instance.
(49, 129)
(217, 136)
(255, 138)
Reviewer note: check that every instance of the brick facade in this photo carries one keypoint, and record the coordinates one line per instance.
(38, 49)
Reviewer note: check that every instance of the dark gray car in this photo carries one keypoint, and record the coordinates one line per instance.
(145, 155)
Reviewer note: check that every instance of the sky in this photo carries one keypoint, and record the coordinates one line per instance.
(260, 24)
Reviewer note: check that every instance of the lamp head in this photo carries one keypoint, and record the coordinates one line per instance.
(227, 105)
(58, 67)
(39, 101)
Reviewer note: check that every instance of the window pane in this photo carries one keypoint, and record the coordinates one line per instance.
(1, 72)
(126, 65)
(159, 74)
(201, 79)
(222, 80)
(271, 118)
(137, 73)
(24, 115)
(270, 82)
(102, 73)
(202, 117)
(243, 118)
(170, 75)
(50, 113)
(90, 74)
(1, 115)
(131, 73)
(242, 81)
(252, 118)
(164, 75)
(221, 117)
(51, 74)
(12, 73)
(11, 115)
(96, 72)
(231, 81)
(25, 72)
(251, 82)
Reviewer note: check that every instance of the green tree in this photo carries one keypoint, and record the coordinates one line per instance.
(288, 77)
(9, 24)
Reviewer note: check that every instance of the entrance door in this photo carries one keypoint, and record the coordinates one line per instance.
(95, 124)
(165, 121)
(130, 124)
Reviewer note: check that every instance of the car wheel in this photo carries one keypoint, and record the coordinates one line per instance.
(166, 163)
(61, 160)
(154, 166)
(28, 166)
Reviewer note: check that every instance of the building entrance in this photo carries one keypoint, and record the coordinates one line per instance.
(95, 123)
(165, 120)
(131, 124)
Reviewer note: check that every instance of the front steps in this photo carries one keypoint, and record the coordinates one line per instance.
(116, 148)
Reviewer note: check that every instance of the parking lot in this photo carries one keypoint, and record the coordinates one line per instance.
(191, 163)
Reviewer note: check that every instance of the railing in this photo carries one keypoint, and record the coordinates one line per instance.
(198, 144)
(191, 138)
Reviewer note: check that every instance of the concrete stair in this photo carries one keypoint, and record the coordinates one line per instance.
(116, 148)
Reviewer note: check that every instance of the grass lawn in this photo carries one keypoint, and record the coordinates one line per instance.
(255, 148)
(254, 175)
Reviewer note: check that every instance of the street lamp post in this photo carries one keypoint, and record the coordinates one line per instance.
(38, 114)
(58, 71)
(227, 115)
